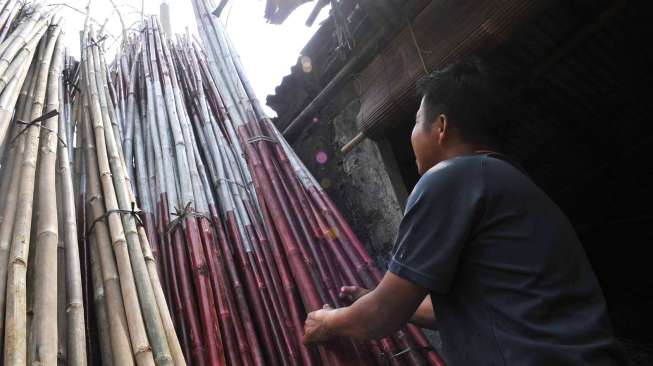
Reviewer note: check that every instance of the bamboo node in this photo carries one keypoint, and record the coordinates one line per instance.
(19, 261)
(74, 305)
(142, 349)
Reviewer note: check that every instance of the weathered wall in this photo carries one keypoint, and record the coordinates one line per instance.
(357, 182)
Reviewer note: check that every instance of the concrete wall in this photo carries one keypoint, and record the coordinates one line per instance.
(357, 182)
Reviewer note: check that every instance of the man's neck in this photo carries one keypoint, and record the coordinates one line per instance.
(462, 149)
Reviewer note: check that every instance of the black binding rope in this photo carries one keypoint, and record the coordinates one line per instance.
(68, 80)
(182, 214)
(35, 123)
(92, 43)
(231, 181)
(136, 214)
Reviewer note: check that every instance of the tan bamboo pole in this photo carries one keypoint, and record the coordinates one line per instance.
(22, 57)
(8, 217)
(121, 187)
(140, 344)
(22, 36)
(8, 100)
(45, 322)
(118, 330)
(16, 307)
(75, 324)
(5, 178)
(10, 18)
(62, 358)
(6, 17)
(113, 116)
(169, 326)
(100, 306)
(9, 213)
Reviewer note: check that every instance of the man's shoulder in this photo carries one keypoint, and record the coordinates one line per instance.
(450, 176)
(454, 166)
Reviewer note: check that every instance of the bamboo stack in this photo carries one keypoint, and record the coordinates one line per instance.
(247, 241)
(41, 310)
(129, 304)
(150, 213)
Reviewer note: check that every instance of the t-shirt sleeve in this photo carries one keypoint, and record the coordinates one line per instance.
(439, 220)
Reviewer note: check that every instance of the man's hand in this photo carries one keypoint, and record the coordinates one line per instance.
(315, 327)
(352, 293)
(373, 315)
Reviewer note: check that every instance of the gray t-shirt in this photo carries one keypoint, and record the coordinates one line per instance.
(508, 277)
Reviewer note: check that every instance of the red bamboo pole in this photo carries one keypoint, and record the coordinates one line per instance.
(181, 306)
(204, 294)
(182, 273)
(266, 261)
(296, 318)
(220, 292)
(269, 182)
(422, 343)
(250, 330)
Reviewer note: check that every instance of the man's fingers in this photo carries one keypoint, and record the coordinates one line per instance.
(348, 290)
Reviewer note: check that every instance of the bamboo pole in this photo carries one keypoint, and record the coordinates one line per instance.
(99, 299)
(11, 201)
(15, 347)
(76, 338)
(121, 352)
(140, 345)
(45, 262)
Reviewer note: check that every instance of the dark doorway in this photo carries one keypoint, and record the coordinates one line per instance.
(579, 101)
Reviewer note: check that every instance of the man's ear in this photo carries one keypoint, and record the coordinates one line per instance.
(441, 127)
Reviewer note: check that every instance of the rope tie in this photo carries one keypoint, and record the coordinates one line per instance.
(261, 138)
(136, 214)
(182, 214)
(67, 79)
(92, 43)
(403, 352)
(400, 353)
(36, 123)
(231, 181)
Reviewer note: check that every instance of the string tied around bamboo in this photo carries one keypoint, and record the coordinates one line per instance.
(136, 214)
(97, 42)
(403, 352)
(36, 123)
(68, 81)
(258, 138)
(183, 214)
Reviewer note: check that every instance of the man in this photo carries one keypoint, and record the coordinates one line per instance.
(482, 255)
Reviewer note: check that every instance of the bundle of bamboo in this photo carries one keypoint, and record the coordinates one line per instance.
(232, 229)
(41, 311)
(131, 315)
(253, 243)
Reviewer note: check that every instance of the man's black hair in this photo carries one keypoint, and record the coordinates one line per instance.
(463, 91)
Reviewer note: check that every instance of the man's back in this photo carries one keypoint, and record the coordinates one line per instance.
(509, 280)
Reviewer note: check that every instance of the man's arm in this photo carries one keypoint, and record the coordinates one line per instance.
(424, 315)
(380, 312)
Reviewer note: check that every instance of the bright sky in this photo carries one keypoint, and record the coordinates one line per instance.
(267, 51)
